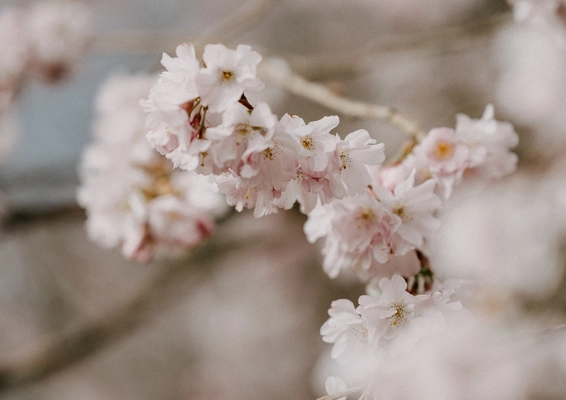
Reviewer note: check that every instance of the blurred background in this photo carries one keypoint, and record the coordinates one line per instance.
(239, 317)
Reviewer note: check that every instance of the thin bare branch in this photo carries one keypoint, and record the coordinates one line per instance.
(318, 93)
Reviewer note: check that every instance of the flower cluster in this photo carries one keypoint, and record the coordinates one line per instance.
(200, 119)
(132, 195)
(376, 221)
(467, 357)
(373, 233)
(477, 147)
(377, 342)
(386, 325)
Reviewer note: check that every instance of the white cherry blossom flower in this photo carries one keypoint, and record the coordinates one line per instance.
(445, 155)
(241, 196)
(177, 85)
(392, 310)
(133, 197)
(355, 153)
(399, 319)
(358, 234)
(415, 207)
(490, 142)
(227, 73)
(242, 133)
(174, 115)
(316, 144)
(176, 223)
(345, 329)
(323, 161)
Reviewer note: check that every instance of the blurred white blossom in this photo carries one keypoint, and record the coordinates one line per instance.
(133, 197)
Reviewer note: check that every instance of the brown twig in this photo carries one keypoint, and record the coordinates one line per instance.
(244, 101)
(320, 94)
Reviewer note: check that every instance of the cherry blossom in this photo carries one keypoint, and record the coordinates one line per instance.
(356, 152)
(415, 207)
(328, 167)
(346, 329)
(490, 144)
(357, 233)
(389, 324)
(173, 121)
(445, 156)
(393, 311)
(242, 134)
(177, 84)
(133, 197)
(227, 73)
(370, 232)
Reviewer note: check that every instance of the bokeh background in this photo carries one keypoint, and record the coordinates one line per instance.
(239, 317)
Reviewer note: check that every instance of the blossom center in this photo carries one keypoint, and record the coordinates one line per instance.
(443, 150)
(268, 153)
(401, 212)
(242, 130)
(365, 216)
(400, 316)
(160, 181)
(361, 332)
(227, 75)
(307, 142)
(345, 159)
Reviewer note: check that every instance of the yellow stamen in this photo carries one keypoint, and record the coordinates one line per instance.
(307, 142)
(443, 150)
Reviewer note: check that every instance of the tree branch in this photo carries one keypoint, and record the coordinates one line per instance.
(271, 72)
